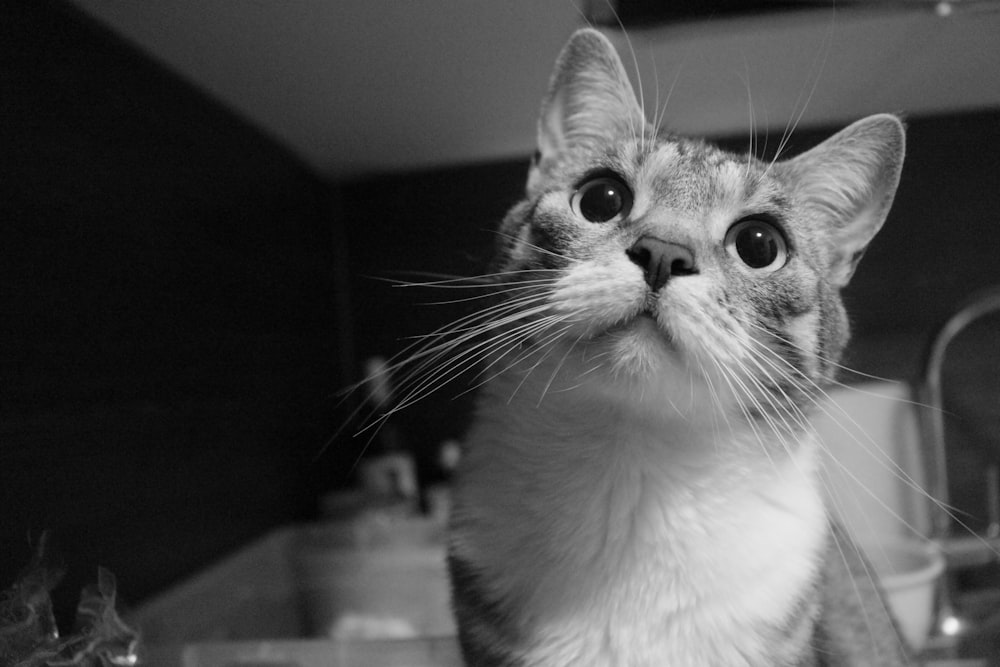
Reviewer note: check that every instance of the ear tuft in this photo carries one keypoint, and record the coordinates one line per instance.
(848, 182)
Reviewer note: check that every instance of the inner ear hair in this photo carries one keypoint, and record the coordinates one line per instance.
(589, 99)
(849, 182)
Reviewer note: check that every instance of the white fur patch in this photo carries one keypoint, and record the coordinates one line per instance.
(628, 534)
(802, 331)
(730, 181)
(661, 161)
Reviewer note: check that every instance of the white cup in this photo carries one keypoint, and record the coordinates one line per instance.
(908, 570)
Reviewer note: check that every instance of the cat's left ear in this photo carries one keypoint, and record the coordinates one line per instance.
(849, 182)
(590, 101)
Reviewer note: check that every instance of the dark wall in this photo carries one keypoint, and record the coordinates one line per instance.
(421, 227)
(169, 341)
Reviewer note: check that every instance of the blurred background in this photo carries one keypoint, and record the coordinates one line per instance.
(199, 199)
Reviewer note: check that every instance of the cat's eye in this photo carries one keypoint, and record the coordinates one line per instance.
(602, 199)
(757, 243)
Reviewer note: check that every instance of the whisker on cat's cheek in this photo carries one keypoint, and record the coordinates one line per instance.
(818, 402)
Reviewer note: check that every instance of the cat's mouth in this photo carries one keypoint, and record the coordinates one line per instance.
(645, 316)
(647, 320)
(643, 325)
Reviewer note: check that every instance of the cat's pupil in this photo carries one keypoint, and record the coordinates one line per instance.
(602, 199)
(757, 245)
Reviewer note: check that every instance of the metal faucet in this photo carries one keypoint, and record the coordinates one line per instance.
(929, 395)
(965, 550)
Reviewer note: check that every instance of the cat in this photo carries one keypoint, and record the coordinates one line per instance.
(639, 485)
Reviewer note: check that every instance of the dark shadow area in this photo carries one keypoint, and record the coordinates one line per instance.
(169, 338)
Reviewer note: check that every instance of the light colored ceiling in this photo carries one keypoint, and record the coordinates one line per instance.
(356, 86)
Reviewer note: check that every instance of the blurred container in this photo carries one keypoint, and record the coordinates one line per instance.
(873, 473)
(384, 577)
(434, 652)
(258, 607)
(909, 571)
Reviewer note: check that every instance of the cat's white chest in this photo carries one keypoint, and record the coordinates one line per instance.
(668, 598)
(625, 545)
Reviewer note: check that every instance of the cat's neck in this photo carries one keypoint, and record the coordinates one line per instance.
(637, 502)
(560, 424)
(662, 415)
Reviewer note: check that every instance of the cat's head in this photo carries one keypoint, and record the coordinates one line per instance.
(655, 246)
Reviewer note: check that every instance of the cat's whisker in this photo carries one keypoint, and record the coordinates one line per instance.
(654, 122)
(452, 367)
(436, 278)
(533, 290)
(789, 405)
(545, 251)
(834, 382)
(422, 347)
(494, 281)
(784, 409)
(872, 449)
(802, 421)
(670, 92)
(468, 327)
(733, 380)
(800, 107)
(720, 411)
(637, 133)
(533, 348)
(751, 151)
(580, 376)
(816, 387)
(506, 334)
(814, 397)
(778, 423)
(830, 362)
(487, 315)
(786, 417)
(539, 345)
(436, 359)
(555, 371)
(469, 299)
(500, 353)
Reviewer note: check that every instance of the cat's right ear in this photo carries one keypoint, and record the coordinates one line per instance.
(848, 183)
(590, 99)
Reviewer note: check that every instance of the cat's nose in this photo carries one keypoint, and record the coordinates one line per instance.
(660, 260)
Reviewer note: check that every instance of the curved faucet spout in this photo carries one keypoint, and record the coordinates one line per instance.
(929, 393)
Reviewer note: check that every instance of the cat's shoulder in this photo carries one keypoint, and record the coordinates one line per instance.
(855, 627)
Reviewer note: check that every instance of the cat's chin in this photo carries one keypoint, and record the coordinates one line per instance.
(641, 345)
